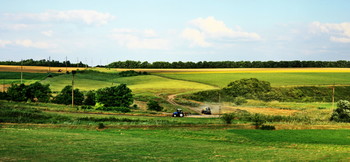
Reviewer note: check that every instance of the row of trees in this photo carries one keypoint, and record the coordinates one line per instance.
(43, 62)
(117, 96)
(230, 64)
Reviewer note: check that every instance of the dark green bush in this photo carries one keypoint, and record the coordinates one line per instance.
(90, 98)
(65, 96)
(227, 118)
(101, 126)
(154, 105)
(131, 73)
(118, 96)
(268, 127)
(342, 113)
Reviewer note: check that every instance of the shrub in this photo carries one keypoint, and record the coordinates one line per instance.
(227, 118)
(119, 96)
(131, 73)
(65, 96)
(39, 92)
(268, 127)
(342, 113)
(90, 98)
(154, 105)
(17, 92)
(101, 126)
(240, 100)
(250, 88)
(257, 120)
(32, 92)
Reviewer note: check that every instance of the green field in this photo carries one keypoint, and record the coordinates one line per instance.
(28, 78)
(276, 79)
(92, 80)
(171, 144)
(50, 132)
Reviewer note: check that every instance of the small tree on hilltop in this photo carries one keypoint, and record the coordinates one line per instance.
(342, 113)
(65, 96)
(154, 105)
(119, 96)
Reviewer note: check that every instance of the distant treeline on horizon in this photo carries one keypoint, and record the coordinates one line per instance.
(230, 64)
(183, 65)
(53, 63)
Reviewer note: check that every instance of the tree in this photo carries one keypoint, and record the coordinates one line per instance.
(119, 96)
(90, 98)
(227, 118)
(249, 88)
(342, 113)
(154, 105)
(39, 92)
(17, 92)
(65, 96)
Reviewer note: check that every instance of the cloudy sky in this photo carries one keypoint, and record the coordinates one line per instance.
(102, 31)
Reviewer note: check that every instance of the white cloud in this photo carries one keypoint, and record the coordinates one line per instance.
(337, 32)
(196, 37)
(139, 39)
(90, 17)
(208, 30)
(3, 43)
(47, 33)
(30, 44)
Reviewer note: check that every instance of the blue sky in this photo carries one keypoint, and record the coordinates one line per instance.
(102, 31)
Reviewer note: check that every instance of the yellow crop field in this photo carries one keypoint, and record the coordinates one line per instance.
(238, 70)
(37, 69)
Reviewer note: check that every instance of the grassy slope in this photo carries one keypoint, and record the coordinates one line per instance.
(15, 77)
(139, 84)
(276, 79)
(172, 144)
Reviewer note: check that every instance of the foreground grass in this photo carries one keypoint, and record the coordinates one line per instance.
(171, 144)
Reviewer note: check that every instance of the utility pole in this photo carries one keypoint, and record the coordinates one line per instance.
(66, 64)
(219, 103)
(21, 71)
(49, 64)
(73, 73)
(333, 91)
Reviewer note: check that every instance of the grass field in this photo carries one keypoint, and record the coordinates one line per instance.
(276, 79)
(70, 143)
(92, 80)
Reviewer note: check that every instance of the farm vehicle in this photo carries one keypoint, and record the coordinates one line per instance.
(179, 113)
(206, 111)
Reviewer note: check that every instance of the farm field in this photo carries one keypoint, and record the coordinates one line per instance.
(304, 133)
(276, 79)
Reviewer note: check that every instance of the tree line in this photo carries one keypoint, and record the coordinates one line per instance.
(230, 64)
(43, 62)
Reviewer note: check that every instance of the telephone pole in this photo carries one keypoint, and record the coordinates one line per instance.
(21, 71)
(333, 91)
(73, 73)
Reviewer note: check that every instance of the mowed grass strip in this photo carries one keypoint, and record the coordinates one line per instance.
(171, 144)
(276, 79)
